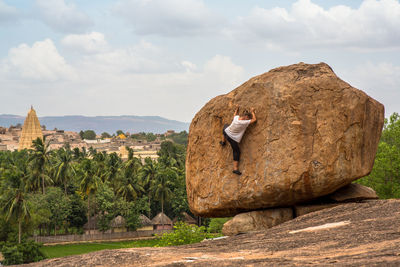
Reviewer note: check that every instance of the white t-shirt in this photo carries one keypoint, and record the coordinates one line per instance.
(237, 128)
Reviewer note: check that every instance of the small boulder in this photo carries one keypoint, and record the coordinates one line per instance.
(256, 220)
(353, 192)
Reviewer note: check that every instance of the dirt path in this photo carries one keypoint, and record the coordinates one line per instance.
(354, 234)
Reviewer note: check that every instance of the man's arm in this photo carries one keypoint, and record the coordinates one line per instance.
(236, 111)
(253, 115)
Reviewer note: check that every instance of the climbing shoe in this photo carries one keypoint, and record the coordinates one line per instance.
(222, 143)
(237, 172)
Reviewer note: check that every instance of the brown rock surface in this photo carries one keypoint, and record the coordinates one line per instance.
(371, 237)
(353, 192)
(314, 134)
(256, 220)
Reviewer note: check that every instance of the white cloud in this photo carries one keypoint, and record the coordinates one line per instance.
(189, 66)
(93, 42)
(7, 13)
(222, 69)
(379, 80)
(143, 57)
(375, 24)
(41, 62)
(175, 94)
(62, 16)
(168, 17)
(142, 79)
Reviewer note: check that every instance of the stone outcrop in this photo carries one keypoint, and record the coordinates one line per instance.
(264, 219)
(353, 192)
(31, 130)
(314, 134)
(256, 220)
(370, 239)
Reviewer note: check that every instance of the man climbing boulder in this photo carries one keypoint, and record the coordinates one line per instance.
(234, 132)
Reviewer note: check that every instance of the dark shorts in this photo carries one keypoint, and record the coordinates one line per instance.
(234, 144)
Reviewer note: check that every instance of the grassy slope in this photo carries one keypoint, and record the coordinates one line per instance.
(75, 249)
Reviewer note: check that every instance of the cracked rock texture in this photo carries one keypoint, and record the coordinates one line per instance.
(314, 134)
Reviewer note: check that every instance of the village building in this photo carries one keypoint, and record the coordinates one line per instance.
(146, 223)
(185, 217)
(118, 224)
(21, 137)
(162, 222)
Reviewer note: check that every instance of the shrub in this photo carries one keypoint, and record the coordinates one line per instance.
(12, 255)
(216, 225)
(183, 234)
(27, 251)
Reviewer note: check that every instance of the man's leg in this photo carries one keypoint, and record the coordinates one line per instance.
(235, 165)
(236, 156)
(223, 142)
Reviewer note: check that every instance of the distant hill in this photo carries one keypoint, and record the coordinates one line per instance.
(100, 124)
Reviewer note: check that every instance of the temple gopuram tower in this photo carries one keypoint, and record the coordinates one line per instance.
(30, 131)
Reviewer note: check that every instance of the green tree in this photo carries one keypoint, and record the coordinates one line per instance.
(161, 188)
(40, 212)
(64, 167)
(105, 206)
(77, 216)
(39, 159)
(150, 137)
(13, 199)
(89, 182)
(179, 138)
(105, 135)
(113, 165)
(58, 205)
(385, 175)
(89, 135)
(129, 186)
(147, 176)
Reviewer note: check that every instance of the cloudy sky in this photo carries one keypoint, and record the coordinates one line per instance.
(169, 57)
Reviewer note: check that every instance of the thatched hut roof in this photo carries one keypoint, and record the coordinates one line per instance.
(144, 220)
(185, 218)
(118, 222)
(161, 218)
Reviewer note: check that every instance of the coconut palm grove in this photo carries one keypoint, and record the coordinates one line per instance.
(53, 192)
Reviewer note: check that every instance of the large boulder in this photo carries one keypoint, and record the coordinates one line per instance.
(314, 134)
(256, 220)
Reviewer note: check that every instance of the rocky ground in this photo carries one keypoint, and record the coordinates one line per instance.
(353, 234)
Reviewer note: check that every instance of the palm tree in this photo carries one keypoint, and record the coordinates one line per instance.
(161, 188)
(90, 181)
(13, 196)
(113, 166)
(147, 175)
(99, 159)
(129, 187)
(64, 167)
(39, 160)
(128, 184)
